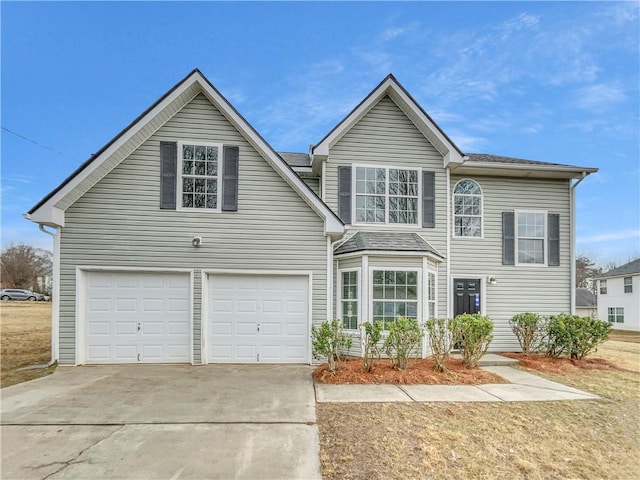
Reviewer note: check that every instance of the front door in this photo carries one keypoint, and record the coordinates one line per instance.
(466, 296)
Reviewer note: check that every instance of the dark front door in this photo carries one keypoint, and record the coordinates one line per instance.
(466, 296)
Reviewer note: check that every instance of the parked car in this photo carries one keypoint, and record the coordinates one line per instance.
(41, 297)
(18, 294)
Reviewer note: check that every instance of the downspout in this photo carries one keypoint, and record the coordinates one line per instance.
(572, 207)
(55, 294)
(448, 230)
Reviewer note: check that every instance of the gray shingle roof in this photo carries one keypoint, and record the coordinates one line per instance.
(631, 268)
(584, 298)
(296, 159)
(386, 241)
(485, 157)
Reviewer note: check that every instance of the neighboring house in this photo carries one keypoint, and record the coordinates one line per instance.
(44, 282)
(188, 238)
(619, 296)
(586, 304)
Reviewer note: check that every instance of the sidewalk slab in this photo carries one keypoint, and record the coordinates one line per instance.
(360, 393)
(448, 393)
(509, 392)
(520, 377)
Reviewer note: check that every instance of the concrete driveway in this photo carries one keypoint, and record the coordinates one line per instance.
(162, 421)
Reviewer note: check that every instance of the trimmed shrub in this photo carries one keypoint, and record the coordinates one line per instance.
(575, 336)
(529, 328)
(372, 337)
(440, 342)
(473, 332)
(403, 341)
(328, 341)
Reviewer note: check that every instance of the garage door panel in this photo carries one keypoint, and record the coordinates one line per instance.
(137, 317)
(239, 304)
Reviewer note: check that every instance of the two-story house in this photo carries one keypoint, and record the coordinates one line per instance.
(619, 296)
(188, 238)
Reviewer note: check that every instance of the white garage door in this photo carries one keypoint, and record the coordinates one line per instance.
(134, 317)
(258, 319)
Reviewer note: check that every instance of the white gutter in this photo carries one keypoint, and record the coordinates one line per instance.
(448, 259)
(572, 208)
(55, 294)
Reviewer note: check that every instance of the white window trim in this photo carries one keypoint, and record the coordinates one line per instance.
(179, 176)
(453, 211)
(358, 300)
(545, 240)
(386, 223)
(419, 300)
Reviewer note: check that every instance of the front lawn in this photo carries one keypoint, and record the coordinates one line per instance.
(543, 440)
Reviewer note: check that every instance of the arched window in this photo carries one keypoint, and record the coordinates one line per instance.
(467, 209)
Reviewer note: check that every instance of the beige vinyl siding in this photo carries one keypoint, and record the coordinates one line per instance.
(118, 223)
(399, 262)
(519, 288)
(386, 136)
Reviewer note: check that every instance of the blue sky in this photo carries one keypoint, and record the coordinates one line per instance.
(546, 81)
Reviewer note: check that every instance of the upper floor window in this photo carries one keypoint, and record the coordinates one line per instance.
(199, 164)
(628, 285)
(531, 236)
(386, 195)
(467, 209)
(603, 287)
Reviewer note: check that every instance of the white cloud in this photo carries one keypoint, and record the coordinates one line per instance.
(599, 96)
(611, 236)
(392, 32)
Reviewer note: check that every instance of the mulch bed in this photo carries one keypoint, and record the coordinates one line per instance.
(419, 371)
(543, 363)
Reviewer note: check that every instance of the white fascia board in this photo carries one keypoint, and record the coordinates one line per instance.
(46, 214)
(331, 223)
(52, 216)
(522, 169)
(391, 253)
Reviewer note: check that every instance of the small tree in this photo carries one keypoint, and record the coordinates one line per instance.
(474, 333)
(403, 341)
(440, 342)
(328, 341)
(529, 328)
(372, 337)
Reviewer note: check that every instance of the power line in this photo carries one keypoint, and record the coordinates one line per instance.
(32, 141)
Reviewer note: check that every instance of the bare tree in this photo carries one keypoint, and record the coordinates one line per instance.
(586, 271)
(22, 264)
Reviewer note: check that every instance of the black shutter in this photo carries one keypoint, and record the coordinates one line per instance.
(554, 239)
(344, 194)
(508, 239)
(428, 200)
(168, 171)
(230, 179)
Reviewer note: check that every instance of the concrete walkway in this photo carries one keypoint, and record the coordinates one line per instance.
(523, 387)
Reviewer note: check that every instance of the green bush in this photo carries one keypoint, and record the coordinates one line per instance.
(329, 341)
(440, 342)
(403, 341)
(530, 329)
(372, 337)
(575, 336)
(473, 332)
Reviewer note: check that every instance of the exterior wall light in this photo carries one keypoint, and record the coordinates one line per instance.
(493, 281)
(196, 242)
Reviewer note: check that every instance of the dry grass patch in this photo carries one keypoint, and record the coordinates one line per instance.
(529, 440)
(25, 339)
(419, 371)
(542, 440)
